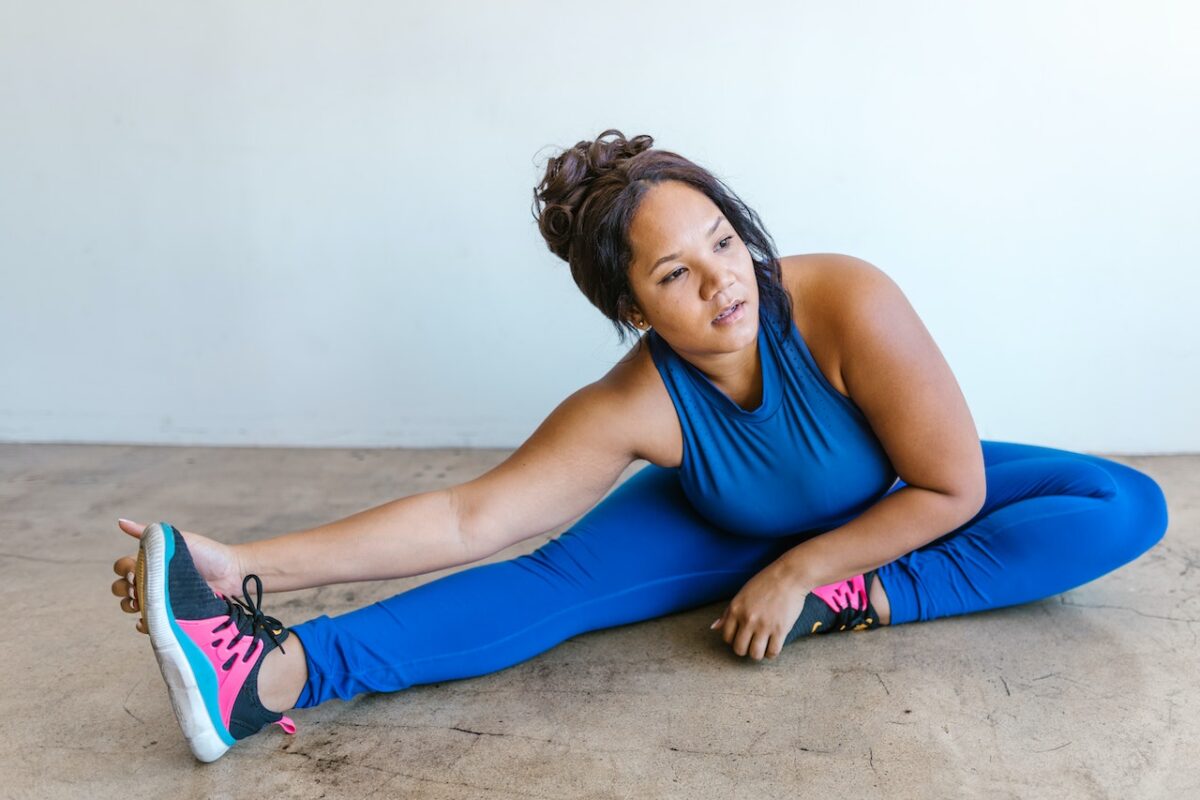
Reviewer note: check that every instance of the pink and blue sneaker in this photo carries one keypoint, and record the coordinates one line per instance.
(209, 647)
(836, 607)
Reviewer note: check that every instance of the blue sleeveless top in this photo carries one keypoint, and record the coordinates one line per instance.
(805, 459)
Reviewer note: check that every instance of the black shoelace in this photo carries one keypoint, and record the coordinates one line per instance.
(249, 619)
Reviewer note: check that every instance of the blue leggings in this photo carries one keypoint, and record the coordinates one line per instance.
(1053, 520)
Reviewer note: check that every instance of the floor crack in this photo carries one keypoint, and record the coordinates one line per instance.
(1066, 602)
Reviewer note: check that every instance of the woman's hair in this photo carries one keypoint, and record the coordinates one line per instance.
(586, 202)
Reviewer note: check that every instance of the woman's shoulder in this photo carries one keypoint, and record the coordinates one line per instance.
(819, 285)
(635, 383)
(807, 278)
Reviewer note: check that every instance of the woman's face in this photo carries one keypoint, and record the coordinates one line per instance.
(708, 268)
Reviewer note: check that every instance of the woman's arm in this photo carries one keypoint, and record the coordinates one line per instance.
(564, 468)
(895, 525)
(896, 374)
(409, 536)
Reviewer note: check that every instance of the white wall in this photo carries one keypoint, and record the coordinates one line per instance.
(293, 223)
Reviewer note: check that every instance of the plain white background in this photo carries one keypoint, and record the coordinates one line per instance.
(309, 224)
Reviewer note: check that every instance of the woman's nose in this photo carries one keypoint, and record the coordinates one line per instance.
(718, 281)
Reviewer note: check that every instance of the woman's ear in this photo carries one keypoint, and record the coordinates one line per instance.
(631, 313)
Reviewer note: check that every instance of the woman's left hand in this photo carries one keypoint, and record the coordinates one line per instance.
(760, 615)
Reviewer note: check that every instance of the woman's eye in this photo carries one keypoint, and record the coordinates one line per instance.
(721, 244)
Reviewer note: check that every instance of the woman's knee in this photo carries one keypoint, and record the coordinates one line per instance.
(1138, 507)
(1146, 508)
(1131, 508)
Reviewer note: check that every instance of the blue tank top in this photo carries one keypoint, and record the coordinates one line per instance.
(805, 459)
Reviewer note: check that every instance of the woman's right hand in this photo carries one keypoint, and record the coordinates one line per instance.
(218, 563)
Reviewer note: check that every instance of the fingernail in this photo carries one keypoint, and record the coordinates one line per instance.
(122, 519)
(710, 627)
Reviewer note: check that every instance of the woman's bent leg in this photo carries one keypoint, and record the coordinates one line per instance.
(640, 553)
(1053, 520)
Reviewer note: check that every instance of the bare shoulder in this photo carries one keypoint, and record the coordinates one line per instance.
(821, 281)
(821, 284)
(648, 419)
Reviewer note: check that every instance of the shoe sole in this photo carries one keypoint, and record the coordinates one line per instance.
(183, 666)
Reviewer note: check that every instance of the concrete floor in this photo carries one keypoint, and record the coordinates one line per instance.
(1090, 694)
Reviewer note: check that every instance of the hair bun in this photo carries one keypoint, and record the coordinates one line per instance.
(568, 178)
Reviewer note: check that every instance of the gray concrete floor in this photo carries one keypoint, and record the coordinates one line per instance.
(1089, 694)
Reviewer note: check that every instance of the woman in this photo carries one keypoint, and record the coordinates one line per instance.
(812, 461)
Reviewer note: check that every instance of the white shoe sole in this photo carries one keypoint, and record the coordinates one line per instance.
(193, 714)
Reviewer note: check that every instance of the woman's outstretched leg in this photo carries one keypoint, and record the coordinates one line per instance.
(1053, 520)
(642, 552)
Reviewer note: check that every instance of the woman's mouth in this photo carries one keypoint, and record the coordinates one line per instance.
(732, 315)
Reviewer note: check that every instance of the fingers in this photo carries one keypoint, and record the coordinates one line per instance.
(758, 646)
(728, 629)
(126, 588)
(130, 527)
(741, 641)
(129, 601)
(748, 641)
(776, 646)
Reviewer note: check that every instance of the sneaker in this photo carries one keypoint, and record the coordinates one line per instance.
(209, 647)
(836, 607)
